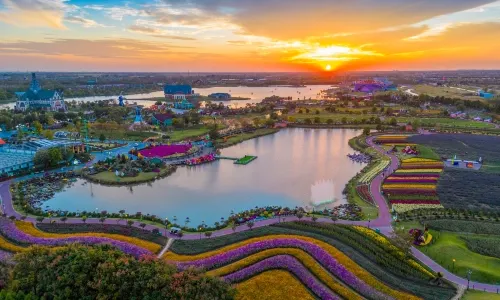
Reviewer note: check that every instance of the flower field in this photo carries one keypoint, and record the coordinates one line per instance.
(322, 268)
(368, 176)
(413, 185)
(364, 192)
(26, 234)
(392, 139)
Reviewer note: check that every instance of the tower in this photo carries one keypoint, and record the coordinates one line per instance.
(35, 85)
(120, 101)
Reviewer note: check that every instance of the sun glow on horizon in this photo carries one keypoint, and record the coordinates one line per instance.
(328, 68)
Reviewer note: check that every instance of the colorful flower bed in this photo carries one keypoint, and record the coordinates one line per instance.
(368, 176)
(200, 160)
(271, 285)
(164, 150)
(10, 247)
(283, 262)
(391, 139)
(9, 230)
(309, 262)
(30, 229)
(329, 257)
(364, 193)
(414, 185)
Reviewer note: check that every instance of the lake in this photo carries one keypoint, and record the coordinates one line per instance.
(256, 94)
(295, 167)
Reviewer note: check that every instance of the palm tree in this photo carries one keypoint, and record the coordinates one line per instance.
(102, 219)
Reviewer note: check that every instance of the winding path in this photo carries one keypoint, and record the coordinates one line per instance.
(382, 222)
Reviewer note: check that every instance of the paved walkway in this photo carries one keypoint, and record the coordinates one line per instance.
(167, 246)
(383, 222)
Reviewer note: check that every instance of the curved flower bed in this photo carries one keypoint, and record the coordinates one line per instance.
(310, 263)
(333, 252)
(321, 255)
(30, 229)
(9, 230)
(8, 246)
(283, 262)
(275, 284)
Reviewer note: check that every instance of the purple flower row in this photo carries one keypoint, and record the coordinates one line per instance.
(322, 256)
(9, 229)
(288, 263)
(5, 256)
(410, 180)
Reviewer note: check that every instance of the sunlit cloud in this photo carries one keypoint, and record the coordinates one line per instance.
(87, 23)
(118, 13)
(334, 53)
(33, 13)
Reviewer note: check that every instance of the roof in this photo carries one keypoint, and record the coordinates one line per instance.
(163, 117)
(2, 142)
(41, 95)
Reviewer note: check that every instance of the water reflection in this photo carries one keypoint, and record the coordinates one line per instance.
(289, 164)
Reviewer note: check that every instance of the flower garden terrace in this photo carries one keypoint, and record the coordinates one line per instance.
(326, 261)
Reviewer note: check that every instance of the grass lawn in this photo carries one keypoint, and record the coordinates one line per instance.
(235, 139)
(109, 176)
(448, 246)
(477, 295)
(182, 134)
(445, 92)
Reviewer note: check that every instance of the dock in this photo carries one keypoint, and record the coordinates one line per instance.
(245, 160)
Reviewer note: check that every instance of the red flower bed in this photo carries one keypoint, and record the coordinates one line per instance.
(415, 201)
(410, 192)
(364, 192)
(164, 150)
(433, 166)
(409, 180)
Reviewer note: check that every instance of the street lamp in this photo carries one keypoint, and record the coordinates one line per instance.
(166, 226)
(469, 273)
(454, 260)
(199, 228)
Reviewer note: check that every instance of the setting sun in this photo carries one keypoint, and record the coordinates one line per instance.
(328, 68)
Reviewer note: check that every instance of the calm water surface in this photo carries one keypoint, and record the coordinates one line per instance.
(256, 94)
(289, 166)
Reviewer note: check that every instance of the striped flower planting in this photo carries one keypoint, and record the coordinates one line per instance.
(9, 230)
(322, 256)
(288, 263)
(416, 201)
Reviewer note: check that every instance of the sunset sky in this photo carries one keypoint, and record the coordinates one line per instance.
(248, 35)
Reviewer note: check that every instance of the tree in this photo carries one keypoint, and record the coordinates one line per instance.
(299, 215)
(84, 219)
(334, 219)
(40, 219)
(250, 224)
(48, 134)
(317, 112)
(270, 123)
(208, 234)
(256, 122)
(213, 133)
(38, 127)
(55, 156)
(308, 121)
(64, 219)
(366, 131)
(130, 223)
(103, 272)
(102, 220)
(379, 127)
(317, 120)
(42, 158)
(393, 122)
(307, 110)
(102, 138)
(344, 120)
(329, 121)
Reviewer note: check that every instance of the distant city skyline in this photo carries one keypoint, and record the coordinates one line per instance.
(248, 35)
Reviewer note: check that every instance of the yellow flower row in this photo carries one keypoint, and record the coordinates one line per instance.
(31, 230)
(271, 285)
(10, 247)
(409, 186)
(309, 262)
(419, 170)
(382, 239)
(401, 208)
(418, 159)
(423, 163)
(339, 256)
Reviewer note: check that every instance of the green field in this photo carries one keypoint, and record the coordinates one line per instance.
(477, 295)
(449, 246)
(110, 177)
(182, 134)
(441, 91)
(423, 152)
